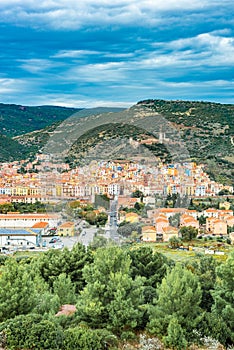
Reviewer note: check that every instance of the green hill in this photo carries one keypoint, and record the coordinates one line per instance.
(11, 150)
(206, 128)
(18, 120)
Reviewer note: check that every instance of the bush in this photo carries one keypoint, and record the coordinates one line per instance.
(32, 332)
(88, 339)
(175, 336)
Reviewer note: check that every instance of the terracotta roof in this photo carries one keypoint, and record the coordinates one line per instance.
(170, 228)
(171, 210)
(190, 220)
(132, 214)
(147, 228)
(40, 225)
(67, 224)
(159, 219)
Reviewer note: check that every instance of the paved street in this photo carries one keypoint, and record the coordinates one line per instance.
(86, 237)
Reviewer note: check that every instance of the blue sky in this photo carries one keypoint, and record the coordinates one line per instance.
(88, 53)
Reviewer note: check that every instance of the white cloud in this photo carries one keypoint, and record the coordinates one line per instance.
(75, 53)
(99, 72)
(76, 100)
(36, 66)
(10, 85)
(204, 49)
(73, 14)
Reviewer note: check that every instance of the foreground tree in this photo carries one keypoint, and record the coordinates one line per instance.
(205, 268)
(178, 298)
(64, 289)
(32, 332)
(223, 309)
(152, 266)
(54, 262)
(111, 299)
(18, 294)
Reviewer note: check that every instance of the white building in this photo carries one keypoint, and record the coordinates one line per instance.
(27, 220)
(19, 238)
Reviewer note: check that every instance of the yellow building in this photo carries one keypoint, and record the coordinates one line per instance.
(132, 217)
(20, 191)
(148, 234)
(169, 232)
(66, 229)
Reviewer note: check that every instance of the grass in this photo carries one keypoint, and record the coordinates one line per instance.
(183, 255)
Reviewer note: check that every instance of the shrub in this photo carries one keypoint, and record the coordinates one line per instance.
(88, 339)
(32, 332)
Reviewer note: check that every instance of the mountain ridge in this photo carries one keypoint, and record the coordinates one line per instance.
(207, 128)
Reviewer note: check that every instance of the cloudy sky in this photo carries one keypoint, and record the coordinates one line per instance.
(88, 53)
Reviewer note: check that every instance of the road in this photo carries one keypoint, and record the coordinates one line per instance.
(86, 236)
(112, 232)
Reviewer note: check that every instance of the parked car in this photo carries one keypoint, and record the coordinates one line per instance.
(55, 240)
(58, 245)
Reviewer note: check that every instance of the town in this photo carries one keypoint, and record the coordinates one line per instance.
(153, 202)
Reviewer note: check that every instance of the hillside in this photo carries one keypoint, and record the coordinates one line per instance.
(205, 128)
(18, 120)
(11, 150)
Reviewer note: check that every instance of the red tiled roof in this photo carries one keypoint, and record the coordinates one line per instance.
(40, 225)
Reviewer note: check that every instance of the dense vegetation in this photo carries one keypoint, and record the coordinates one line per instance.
(17, 120)
(121, 296)
(11, 150)
(206, 128)
(37, 207)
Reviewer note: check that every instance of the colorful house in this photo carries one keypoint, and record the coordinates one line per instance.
(148, 234)
(132, 217)
(66, 229)
(216, 226)
(169, 232)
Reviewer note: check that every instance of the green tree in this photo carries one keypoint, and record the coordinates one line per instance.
(137, 194)
(91, 217)
(205, 268)
(223, 295)
(178, 297)
(54, 262)
(152, 266)
(188, 233)
(88, 339)
(202, 220)
(175, 220)
(98, 242)
(127, 229)
(65, 289)
(101, 219)
(47, 304)
(111, 299)
(17, 290)
(175, 336)
(175, 242)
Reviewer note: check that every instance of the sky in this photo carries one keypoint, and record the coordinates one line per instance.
(89, 53)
